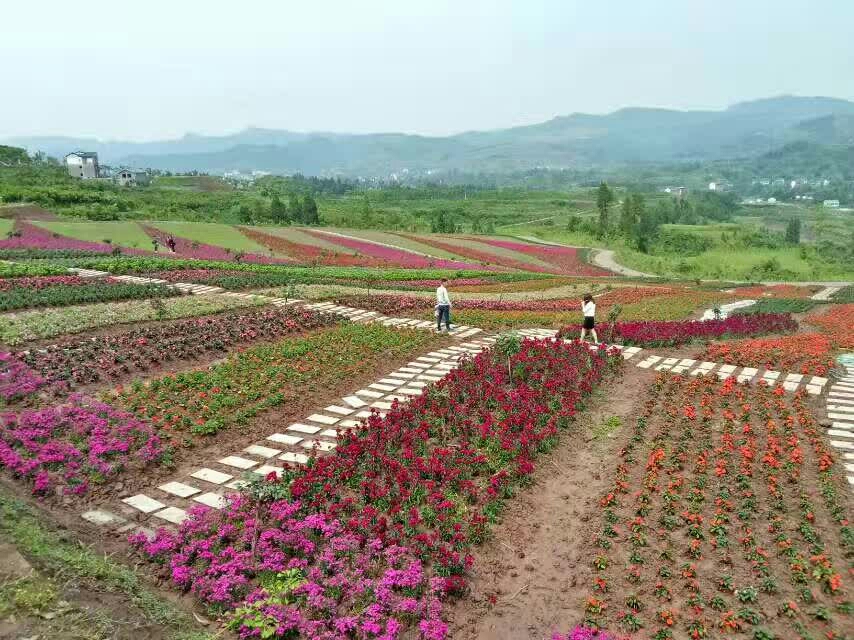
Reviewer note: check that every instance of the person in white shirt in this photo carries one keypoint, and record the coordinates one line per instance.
(588, 308)
(443, 307)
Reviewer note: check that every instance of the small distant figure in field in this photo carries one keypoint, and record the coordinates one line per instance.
(588, 308)
(443, 307)
(155, 243)
(170, 242)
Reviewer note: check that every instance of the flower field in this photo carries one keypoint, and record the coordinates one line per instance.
(28, 236)
(468, 250)
(779, 305)
(567, 259)
(312, 254)
(24, 326)
(185, 248)
(668, 333)
(24, 293)
(368, 542)
(205, 401)
(806, 353)
(143, 350)
(74, 445)
(837, 323)
(726, 516)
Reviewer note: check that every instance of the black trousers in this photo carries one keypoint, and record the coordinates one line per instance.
(444, 312)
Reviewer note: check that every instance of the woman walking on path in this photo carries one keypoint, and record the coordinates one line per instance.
(588, 308)
(443, 307)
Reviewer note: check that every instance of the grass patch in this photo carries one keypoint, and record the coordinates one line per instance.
(121, 234)
(779, 305)
(607, 428)
(220, 235)
(62, 560)
(6, 225)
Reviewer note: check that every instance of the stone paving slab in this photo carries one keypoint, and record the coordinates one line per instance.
(142, 502)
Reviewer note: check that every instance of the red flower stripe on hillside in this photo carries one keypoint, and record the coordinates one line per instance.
(652, 333)
(392, 255)
(774, 291)
(565, 258)
(389, 303)
(309, 254)
(837, 323)
(390, 518)
(185, 248)
(483, 257)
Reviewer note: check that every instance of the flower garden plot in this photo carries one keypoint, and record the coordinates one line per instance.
(114, 357)
(204, 402)
(838, 323)
(365, 543)
(192, 249)
(214, 234)
(62, 294)
(29, 236)
(73, 445)
(778, 305)
(726, 516)
(668, 333)
(17, 380)
(29, 270)
(393, 255)
(805, 353)
(845, 294)
(775, 291)
(471, 251)
(567, 259)
(24, 326)
(672, 307)
(313, 254)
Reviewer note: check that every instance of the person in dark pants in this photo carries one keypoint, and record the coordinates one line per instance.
(443, 307)
(588, 308)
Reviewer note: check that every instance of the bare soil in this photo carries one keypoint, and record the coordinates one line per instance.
(531, 578)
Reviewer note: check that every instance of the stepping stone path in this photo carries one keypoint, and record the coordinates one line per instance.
(840, 414)
(826, 293)
(726, 309)
(212, 480)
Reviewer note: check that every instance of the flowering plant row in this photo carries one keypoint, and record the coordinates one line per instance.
(29, 270)
(806, 353)
(568, 259)
(401, 304)
(23, 326)
(837, 323)
(28, 236)
(74, 444)
(366, 542)
(480, 256)
(64, 294)
(391, 255)
(662, 333)
(584, 633)
(725, 515)
(46, 254)
(17, 380)
(41, 282)
(788, 291)
(76, 362)
(778, 305)
(205, 401)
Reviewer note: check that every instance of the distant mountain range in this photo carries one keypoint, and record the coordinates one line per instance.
(626, 137)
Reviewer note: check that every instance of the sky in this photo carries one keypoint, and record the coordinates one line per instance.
(154, 69)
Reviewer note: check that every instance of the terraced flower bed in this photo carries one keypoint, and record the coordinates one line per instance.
(779, 305)
(28, 269)
(775, 291)
(28, 236)
(206, 401)
(24, 326)
(668, 333)
(71, 363)
(73, 445)
(569, 260)
(806, 353)
(367, 542)
(313, 254)
(727, 516)
(390, 304)
(838, 323)
(31, 292)
(185, 248)
(469, 250)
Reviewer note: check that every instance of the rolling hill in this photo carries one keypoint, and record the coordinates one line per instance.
(625, 137)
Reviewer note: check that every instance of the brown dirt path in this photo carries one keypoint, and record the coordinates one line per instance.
(530, 579)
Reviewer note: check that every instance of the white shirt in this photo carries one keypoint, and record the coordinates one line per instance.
(442, 296)
(589, 309)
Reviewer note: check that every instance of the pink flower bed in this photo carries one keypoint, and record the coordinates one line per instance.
(393, 256)
(566, 258)
(73, 444)
(428, 284)
(33, 237)
(17, 380)
(185, 248)
(652, 333)
(202, 276)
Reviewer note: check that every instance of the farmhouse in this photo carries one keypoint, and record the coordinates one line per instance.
(83, 165)
(132, 178)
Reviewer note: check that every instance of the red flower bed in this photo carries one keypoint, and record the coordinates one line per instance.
(41, 282)
(727, 514)
(630, 295)
(389, 304)
(774, 291)
(565, 258)
(838, 324)
(365, 543)
(652, 333)
(308, 254)
(806, 353)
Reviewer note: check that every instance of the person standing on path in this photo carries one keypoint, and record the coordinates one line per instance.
(588, 308)
(443, 307)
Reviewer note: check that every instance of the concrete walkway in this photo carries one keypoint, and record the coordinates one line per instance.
(605, 258)
(840, 415)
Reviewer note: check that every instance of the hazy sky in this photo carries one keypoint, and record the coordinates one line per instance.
(155, 69)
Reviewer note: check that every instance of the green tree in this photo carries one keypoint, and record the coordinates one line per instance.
(310, 214)
(573, 223)
(278, 210)
(793, 231)
(604, 198)
(367, 214)
(295, 208)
